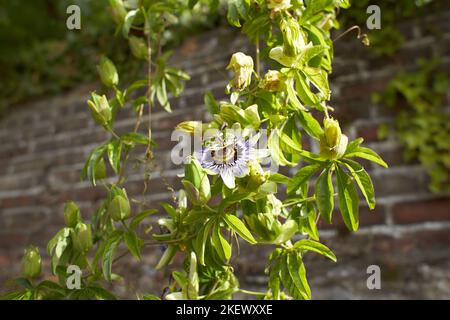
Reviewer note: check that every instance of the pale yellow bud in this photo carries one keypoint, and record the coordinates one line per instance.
(333, 143)
(274, 81)
(242, 65)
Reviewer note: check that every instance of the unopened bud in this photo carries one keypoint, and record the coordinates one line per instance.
(100, 109)
(108, 72)
(71, 214)
(83, 237)
(31, 263)
(274, 81)
(138, 47)
(242, 65)
(119, 208)
(332, 143)
(256, 175)
(293, 41)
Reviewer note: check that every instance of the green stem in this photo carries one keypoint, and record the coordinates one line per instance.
(253, 293)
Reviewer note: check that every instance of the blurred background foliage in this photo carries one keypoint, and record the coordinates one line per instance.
(40, 56)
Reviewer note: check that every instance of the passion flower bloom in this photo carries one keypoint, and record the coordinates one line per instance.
(229, 156)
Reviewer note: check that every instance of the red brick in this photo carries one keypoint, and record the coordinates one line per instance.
(414, 212)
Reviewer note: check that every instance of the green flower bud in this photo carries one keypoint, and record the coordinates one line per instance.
(293, 41)
(256, 175)
(118, 11)
(82, 239)
(71, 214)
(100, 109)
(242, 65)
(100, 169)
(138, 47)
(108, 72)
(119, 208)
(332, 143)
(189, 126)
(274, 81)
(279, 4)
(31, 263)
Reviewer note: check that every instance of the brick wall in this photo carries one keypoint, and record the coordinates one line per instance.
(43, 146)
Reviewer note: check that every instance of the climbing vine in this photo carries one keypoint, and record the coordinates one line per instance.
(231, 191)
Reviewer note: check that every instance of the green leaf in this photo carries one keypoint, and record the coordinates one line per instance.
(348, 200)
(90, 167)
(353, 146)
(167, 257)
(132, 138)
(211, 104)
(108, 254)
(325, 195)
(221, 245)
(133, 243)
(114, 151)
(233, 14)
(293, 98)
(319, 78)
(150, 297)
(293, 276)
(310, 125)
(368, 154)
(288, 229)
(363, 180)
(301, 177)
(193, 282)
(310, 245)
(200, 241)
(239, 227)
(279, 178)
(303, 91)
(141, 216)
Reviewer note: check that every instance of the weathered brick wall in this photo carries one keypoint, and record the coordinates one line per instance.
(43, 146)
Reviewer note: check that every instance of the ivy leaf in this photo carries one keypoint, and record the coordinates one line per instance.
(363, 180)
(348, 200)
(310, 245)
(301, 177)
(239, 227)
(325, 195)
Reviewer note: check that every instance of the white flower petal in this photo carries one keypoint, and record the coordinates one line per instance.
(228, 178)
(240, 170)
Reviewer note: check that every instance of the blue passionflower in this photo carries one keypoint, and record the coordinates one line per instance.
(229, 155)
